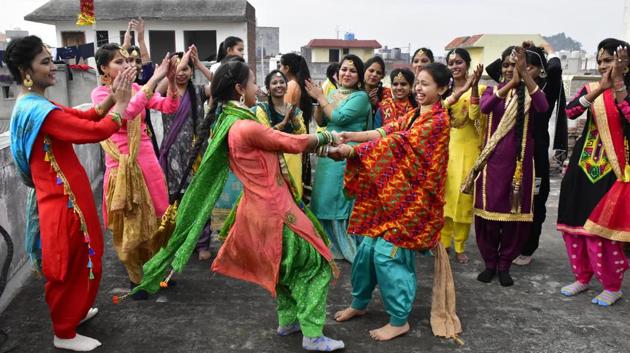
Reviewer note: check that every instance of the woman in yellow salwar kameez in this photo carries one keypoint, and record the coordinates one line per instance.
(282, 116)
(464, 147)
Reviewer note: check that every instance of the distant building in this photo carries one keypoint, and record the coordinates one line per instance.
(393, 54)
(485, 48)
(10, 34)
(170, 25)
(267, 41)
(332, 50)
(267, 47)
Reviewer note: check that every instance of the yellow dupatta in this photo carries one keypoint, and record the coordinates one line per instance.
(130, 213)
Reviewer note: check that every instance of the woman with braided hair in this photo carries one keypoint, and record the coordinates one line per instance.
(504, 188)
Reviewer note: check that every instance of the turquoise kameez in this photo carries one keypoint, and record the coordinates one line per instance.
(351, 113)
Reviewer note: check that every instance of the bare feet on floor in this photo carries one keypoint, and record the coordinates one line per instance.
(389, 332)
(348, 313)
(204, 255)
(78, 344)
(461, 258)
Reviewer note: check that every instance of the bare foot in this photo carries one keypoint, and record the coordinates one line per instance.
(204, 255)
(461, 258)
(389, 332)
(348, 313)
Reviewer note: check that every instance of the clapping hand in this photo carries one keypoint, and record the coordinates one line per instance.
(313, 89)
(162, 69)
(620, 65)
(122, 85)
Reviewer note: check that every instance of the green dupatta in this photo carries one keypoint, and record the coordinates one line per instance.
(197, 203)
(199, 200)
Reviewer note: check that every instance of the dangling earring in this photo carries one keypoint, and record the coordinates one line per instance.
(28, 82)
(242, 100)
(543, 73)
(106, 80)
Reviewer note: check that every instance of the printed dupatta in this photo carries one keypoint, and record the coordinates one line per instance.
(611, 217)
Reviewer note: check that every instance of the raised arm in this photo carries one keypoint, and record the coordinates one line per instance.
(144, 52)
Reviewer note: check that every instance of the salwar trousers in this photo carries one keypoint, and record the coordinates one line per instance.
(303, 287)
(455, 232)
(590, 255)
(393, 269)
(343, 245)
(500, 242)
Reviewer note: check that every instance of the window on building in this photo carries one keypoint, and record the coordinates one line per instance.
(160, 43)
(205, 41)
(72, 38)
(333, 55)
(102, 38)
(133, 37)
(346, 51)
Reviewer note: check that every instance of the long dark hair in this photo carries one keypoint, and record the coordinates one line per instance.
(409, 77)
(228, 43)
(190, 88)
(268, 83)
(462, 53)
(376, 59)
(298, 67)
(331, 70)
(20, 54)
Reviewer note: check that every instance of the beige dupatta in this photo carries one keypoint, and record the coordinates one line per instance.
(130, 211)
(507, 123)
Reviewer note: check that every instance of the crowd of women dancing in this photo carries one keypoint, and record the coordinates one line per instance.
(401, 170)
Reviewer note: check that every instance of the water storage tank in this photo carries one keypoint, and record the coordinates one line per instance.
(348, 36)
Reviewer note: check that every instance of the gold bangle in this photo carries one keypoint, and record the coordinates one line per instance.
(535, 90)
(147, 92)
(352, 153)
(496, 93)
(116, 118)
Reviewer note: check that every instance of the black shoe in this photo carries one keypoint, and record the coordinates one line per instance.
(139, 295)
(486, 276)
(505, 279)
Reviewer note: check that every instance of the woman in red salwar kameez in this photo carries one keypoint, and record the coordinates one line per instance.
(42, 135)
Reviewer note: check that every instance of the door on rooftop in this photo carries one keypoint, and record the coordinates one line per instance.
(160, 43)
(333, 55)
(205, 41)
(69, 39)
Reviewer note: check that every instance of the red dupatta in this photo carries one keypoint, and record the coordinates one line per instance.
(611, 217)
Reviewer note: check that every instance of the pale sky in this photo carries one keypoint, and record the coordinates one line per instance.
(400, 23)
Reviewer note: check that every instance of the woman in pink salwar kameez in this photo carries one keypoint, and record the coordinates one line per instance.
(135, 194)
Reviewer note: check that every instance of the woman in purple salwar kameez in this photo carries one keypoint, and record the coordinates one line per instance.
(504, 186)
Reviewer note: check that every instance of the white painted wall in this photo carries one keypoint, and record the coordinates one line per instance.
(223, 29)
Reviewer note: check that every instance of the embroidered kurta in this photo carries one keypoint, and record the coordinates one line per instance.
(591, 175)
(391, 109)
(148, 162)
(253, 249)
(351, 113)
(399, 179)
(463, 150)
(493, 187)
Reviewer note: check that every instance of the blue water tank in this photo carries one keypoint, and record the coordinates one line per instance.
(348, 36)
